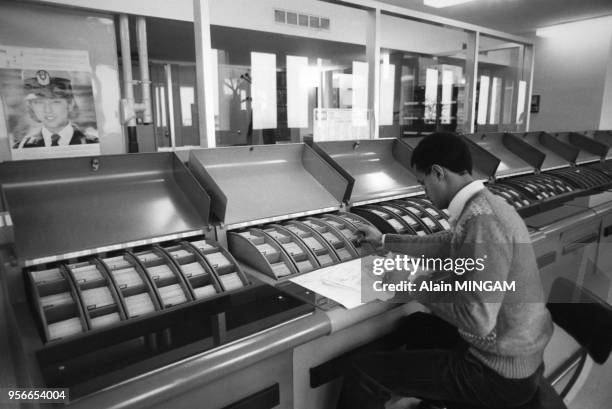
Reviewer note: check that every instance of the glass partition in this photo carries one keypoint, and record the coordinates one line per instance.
(172, 72)
(269, 85)
(422, 78)
(276, 88)
(502, 86)
(174, 104)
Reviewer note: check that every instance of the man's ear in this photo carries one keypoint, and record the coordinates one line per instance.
(438, 171)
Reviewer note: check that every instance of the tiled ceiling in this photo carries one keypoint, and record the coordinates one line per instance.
(515, 16)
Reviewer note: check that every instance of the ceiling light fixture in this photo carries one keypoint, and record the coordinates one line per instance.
(443, 3)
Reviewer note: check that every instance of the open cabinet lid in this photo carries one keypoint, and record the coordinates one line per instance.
(604, 137)
(379, 167)
(590, 150)
(558, 154)
(69, 207)
(256, 184)
(516, 156)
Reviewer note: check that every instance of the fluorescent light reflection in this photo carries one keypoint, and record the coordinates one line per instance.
(483, 100)
(444, 3)
(257, 163)
(431, 94)
(387, 89)
(520, 108)
(298, 74)
(495, 100)
(263, 90)
(447, 96)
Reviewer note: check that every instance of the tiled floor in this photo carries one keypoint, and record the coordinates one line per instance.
(597, 390)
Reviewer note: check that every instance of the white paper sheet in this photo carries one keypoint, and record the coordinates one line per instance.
(341, 283)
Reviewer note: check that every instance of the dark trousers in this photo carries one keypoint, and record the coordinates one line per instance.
(436, 365)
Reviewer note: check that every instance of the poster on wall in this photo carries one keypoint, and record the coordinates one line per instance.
(48, 102)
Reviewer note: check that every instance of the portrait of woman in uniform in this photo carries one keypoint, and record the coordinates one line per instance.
(48, 109)
(51, 103)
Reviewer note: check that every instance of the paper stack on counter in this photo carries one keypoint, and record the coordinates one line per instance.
(341, 283)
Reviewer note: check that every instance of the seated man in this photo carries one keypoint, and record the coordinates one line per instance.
(479, 348)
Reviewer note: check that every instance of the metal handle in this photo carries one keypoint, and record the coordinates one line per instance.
(578, 244)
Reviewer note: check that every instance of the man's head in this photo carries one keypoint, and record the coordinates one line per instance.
(443, 165)
(50, 100)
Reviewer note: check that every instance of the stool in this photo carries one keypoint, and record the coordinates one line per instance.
(585, 317)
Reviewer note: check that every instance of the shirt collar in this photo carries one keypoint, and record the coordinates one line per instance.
(65, 135)
(464, 194)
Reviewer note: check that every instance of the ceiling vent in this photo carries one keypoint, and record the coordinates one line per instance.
(279, 16)
(292, 18)
(297, 19)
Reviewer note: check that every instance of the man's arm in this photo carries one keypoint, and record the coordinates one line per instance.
(474, 311)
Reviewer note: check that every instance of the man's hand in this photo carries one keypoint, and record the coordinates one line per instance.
(370, 234)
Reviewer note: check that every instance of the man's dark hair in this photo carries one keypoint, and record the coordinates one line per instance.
(446, 149)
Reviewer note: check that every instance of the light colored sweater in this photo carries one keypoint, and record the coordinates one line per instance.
(507, 331)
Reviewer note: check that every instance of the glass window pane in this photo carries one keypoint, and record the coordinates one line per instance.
(173, 83)
(502, 62)
(428, 65)
(160, 104)
(233, 118)
(308, 74)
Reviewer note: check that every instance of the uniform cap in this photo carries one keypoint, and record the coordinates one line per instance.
(46, 86)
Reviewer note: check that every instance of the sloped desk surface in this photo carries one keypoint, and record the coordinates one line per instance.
(584, 156)
(252, 184)
(552, 159)
(61, 206)
(510, 163)
(375, 165)
(604, 137)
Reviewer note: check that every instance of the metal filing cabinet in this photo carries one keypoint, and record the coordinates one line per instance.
(114, 275)
(599, 276)
(280, 210)
(386, 193)
(573, 233)
(298, 226)
(268, 384)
